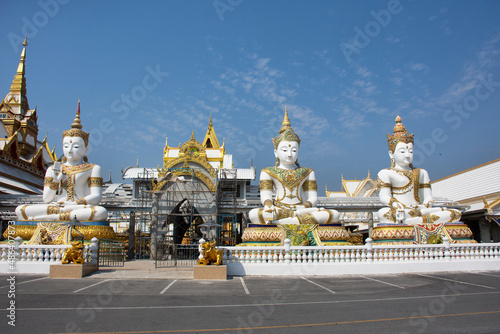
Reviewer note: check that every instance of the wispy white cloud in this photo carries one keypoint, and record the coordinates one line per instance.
(417, 66)
(473, 72)
(352, 120)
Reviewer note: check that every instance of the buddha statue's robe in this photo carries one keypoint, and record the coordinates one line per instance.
(407, 192)
(295, 198)
(75, 196)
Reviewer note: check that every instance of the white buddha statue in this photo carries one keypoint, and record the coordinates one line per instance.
(72, 189)
(407, 190)
(294, 186)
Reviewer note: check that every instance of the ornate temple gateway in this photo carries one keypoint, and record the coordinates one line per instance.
(197, 184)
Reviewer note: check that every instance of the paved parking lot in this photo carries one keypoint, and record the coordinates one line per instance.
(410, 303)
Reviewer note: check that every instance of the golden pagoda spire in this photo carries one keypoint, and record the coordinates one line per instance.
(16, 98)
(210, 140)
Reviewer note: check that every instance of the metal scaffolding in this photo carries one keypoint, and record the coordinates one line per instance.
(228, 192)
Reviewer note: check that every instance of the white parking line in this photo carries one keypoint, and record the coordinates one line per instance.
(19, 283)
(452, 280)
(485, 274)
(244, 286)
(91, 285)
(168, 286)
(321, 286)
(376, 280)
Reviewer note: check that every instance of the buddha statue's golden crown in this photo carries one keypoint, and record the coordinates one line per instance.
(400, 135)
(76, 128)
(286, 132)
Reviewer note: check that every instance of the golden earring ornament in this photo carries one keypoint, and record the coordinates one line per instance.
(393, 163)
(277, 162)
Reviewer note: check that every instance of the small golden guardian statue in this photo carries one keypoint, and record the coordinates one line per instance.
(209, 254)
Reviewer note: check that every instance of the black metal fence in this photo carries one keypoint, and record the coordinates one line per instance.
(111, 253)
(176, 255)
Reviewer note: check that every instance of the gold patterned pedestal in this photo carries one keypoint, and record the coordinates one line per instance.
(405, 234)
(272, 235)
(100, 230)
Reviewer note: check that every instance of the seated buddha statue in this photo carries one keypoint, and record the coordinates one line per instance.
(72, 189)
(294, 186)
(406, 190)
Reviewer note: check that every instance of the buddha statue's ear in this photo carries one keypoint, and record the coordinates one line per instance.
(391, 154)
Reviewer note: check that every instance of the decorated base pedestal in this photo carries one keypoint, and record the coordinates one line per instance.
(396, 234)
(27, 228)
(210, 272)
(273, 235)
(72, 270)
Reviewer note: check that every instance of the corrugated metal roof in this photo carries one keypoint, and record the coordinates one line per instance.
(111, 188)
(241, 173)
(140, 172)
(478, 181)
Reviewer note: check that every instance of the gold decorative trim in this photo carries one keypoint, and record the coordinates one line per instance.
(310, 185)
(92, 213)
(53, 209)
(65, 216)
(95, 182)
(307, 218)
(330, 216)
(454, 215)
(81, 201)
(71, 170)
(187, 158)
(266, 185)
(23, 211)
(261, 216)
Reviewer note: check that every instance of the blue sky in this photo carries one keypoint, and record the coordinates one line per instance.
(147, 70)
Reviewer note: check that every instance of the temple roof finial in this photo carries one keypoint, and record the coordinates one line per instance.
(20, 68)
(18, 87)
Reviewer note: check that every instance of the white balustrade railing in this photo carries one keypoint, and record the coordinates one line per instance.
(407, 257)
(17, 254)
